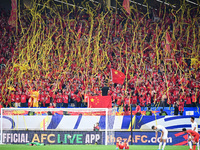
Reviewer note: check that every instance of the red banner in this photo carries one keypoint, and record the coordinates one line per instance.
(117, 76)
(126, 5)
(79, 32)
(168, 41)
(99, 102)
(13, 16)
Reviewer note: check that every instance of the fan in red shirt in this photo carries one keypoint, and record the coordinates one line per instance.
(134, 99)
(42, 99)
(188, 100)
(194, 135)
(119, 99)
(127, 100)
(181, 106)
(138, 109)
(17, 99)
(59, 99)
(77, 99)
(8, 102)
(148, 99)
(65, 99)
(12, 98)
(48, 99)
(23, 99)
(51, 105)
(142, 101)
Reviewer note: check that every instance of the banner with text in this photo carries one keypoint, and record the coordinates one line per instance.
(52, 137)
(148, 138)
(82, 137)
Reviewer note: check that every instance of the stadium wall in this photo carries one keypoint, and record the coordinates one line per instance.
(88, 137)
(86, 123)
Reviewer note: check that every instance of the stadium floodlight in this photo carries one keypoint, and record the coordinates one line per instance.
(20, 125)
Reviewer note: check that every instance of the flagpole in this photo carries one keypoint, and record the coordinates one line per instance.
(131, 126)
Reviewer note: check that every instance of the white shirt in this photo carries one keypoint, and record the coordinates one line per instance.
(161, 128)
(194, 125)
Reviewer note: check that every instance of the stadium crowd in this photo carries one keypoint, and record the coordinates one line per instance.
(56, 59)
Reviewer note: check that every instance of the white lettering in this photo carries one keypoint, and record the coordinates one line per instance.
(15, 138)
(97, 137)
(27, 141)
(4, 137)
(153, 139)
(8, 137)
(11, 138)
(92, 137)
(87, 138)
(169, 140)
(22, 138)
(19, 138)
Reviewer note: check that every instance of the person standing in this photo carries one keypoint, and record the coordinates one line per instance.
(194, 135)
(194, 128)
(138, 110)
(96, 127)
(163, 137)
(23, 99)
(65, 99)
(59, 99)
(181, 106)
(17, 99)
(47, 99)
(12, 99)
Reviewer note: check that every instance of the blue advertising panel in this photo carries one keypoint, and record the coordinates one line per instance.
(52, 137)
(148, 138)
(91, 137)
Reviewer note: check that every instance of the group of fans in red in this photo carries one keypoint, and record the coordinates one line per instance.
(193, 137)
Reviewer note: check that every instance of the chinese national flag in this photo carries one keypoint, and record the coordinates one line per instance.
(99, 102)
(126, 5)
(13, 17)
(117, 76)
(168, 41)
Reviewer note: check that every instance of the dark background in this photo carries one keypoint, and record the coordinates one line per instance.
(6, 4)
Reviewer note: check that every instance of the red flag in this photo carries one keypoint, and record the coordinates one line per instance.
(126, 5)
(168, 41)
(13, 17)
(100, 102)
(79, 32)
(117, 76)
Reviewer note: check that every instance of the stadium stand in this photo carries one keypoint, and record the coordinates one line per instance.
(60, 57)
